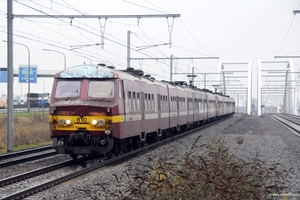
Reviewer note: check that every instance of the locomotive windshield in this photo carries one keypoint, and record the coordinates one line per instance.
(67, 89)
(101, 89)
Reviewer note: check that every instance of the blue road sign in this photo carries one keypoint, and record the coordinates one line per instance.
(3, 75)
(23, 74)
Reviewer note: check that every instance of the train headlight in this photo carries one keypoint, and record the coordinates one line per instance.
(61, 122)
(98, 122)
(68, 122)
(101, 122)
(94, 122)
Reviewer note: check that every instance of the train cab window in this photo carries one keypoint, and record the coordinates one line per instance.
(66, 89)
(101, 89)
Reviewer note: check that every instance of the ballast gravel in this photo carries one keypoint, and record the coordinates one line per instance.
(246, 137)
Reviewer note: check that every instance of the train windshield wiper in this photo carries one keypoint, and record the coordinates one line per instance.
(76, 91)
(109, 95)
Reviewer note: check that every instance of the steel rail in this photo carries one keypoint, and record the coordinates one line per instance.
(24, 152)
(291, 122)
(26, 175)
(23, 160)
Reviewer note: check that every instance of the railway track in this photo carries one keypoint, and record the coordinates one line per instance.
(22, 185)
(18, 157)
(24, 152)
(13, 187)
(291, 121)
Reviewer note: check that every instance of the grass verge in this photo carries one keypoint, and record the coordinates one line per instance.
(29, 130)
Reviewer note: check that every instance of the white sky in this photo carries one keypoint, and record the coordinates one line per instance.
(233, 30)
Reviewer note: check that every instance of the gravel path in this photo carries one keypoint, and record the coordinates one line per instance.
(259, 137)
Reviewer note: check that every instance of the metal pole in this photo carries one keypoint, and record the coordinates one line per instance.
(193, 76)
(65, 63)
(10, 77)
(171, 67)
(204, 81)
(128, 49)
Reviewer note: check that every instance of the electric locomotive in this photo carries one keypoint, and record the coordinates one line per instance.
(84, 110)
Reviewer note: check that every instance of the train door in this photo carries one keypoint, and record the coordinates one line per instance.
(122, 97)
(142, 102)
(205, 105)
(217, 106)
(158, 107)
(177, 106)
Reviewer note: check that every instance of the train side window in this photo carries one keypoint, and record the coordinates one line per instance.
(146, 104)
(159, 102)
(166, 103)
(181, 103)
(149, 102)
(174, 103)
(162, 102)
(138, 105)
(133, 101)
(121, 89)
(153, 103)
(200, 104)
(129, 101)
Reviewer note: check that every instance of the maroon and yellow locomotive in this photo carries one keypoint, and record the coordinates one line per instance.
(100, 110)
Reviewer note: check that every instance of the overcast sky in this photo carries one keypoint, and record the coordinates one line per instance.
(233, 30)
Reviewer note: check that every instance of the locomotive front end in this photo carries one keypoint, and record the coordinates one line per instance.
(83, 110)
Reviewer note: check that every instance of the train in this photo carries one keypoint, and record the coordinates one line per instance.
(99, 110)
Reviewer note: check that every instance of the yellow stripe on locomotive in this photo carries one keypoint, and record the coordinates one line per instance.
(92, 123)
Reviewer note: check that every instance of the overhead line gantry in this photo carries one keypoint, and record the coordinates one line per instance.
(10, 72)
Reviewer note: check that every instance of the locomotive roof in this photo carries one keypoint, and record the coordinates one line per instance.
(98, 71)
(87, 71)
